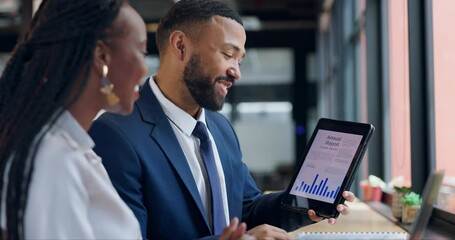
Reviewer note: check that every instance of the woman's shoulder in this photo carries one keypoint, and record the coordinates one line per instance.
(58, 151)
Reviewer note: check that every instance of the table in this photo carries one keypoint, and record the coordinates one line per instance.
(362, 218)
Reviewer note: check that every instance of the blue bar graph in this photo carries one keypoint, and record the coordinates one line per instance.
(321, 189)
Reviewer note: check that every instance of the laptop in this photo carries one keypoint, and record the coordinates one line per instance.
(429, 197)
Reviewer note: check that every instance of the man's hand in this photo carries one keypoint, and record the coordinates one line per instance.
(265, 231)
(343, 209)
(234, 231)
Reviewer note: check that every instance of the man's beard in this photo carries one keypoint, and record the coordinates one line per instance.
(200, 85)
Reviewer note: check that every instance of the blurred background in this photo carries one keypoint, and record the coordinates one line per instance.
(386, 62)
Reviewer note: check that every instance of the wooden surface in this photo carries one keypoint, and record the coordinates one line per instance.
(362, 218)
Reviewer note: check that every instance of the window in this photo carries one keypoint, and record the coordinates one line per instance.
(399, 90)
(9, 7)
(260, 109)
(444, 85)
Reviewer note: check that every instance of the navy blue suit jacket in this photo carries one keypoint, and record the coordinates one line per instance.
(150, 172)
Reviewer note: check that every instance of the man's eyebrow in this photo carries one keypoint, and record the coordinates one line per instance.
(236, 48)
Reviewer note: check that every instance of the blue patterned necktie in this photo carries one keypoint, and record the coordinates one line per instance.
(219, 220)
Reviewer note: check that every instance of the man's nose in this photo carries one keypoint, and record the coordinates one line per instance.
(234, 73)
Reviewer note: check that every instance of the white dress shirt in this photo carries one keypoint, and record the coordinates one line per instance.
(70, 194)
(183, 125)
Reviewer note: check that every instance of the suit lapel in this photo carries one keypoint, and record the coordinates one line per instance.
(163, 134)
(224, 157)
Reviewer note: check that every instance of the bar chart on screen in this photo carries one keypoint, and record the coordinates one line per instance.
(324, 188)
(326, 164)
(320, 189)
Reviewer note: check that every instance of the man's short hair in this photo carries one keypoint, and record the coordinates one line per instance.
(185, 15)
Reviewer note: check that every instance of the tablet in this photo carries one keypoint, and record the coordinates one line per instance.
(328, 167)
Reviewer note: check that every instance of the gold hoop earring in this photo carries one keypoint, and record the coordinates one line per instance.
(107, 88)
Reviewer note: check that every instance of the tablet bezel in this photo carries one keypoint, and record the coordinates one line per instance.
(324, 209)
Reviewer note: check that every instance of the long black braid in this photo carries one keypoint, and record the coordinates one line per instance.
(36, 86)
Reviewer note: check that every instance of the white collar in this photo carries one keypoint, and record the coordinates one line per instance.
(70, 125)
(184, 121)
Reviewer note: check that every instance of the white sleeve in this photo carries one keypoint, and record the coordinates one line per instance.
(58, 201)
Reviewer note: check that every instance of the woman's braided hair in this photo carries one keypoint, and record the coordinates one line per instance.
(38, 83)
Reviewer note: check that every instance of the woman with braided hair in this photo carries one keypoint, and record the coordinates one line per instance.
(79, 57)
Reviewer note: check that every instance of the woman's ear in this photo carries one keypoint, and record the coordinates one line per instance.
(101, 56)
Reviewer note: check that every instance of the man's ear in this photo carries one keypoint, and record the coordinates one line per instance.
(178, 44)
(101, 56)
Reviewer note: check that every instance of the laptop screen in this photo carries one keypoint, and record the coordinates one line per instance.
(429, 197)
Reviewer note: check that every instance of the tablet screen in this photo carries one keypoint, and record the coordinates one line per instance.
(326, 165)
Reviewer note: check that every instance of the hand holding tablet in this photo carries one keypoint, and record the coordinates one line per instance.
(342, 208)
(328, 167)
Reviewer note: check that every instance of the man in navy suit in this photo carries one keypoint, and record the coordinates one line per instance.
(152, 156)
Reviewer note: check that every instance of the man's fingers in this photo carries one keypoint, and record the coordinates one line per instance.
(349, 196)
(231, 231)
(343, 209)
(239, 232)
(314, 217)
(269, 232)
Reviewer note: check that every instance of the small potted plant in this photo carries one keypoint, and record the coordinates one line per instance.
(411, 205)
(397, 195)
